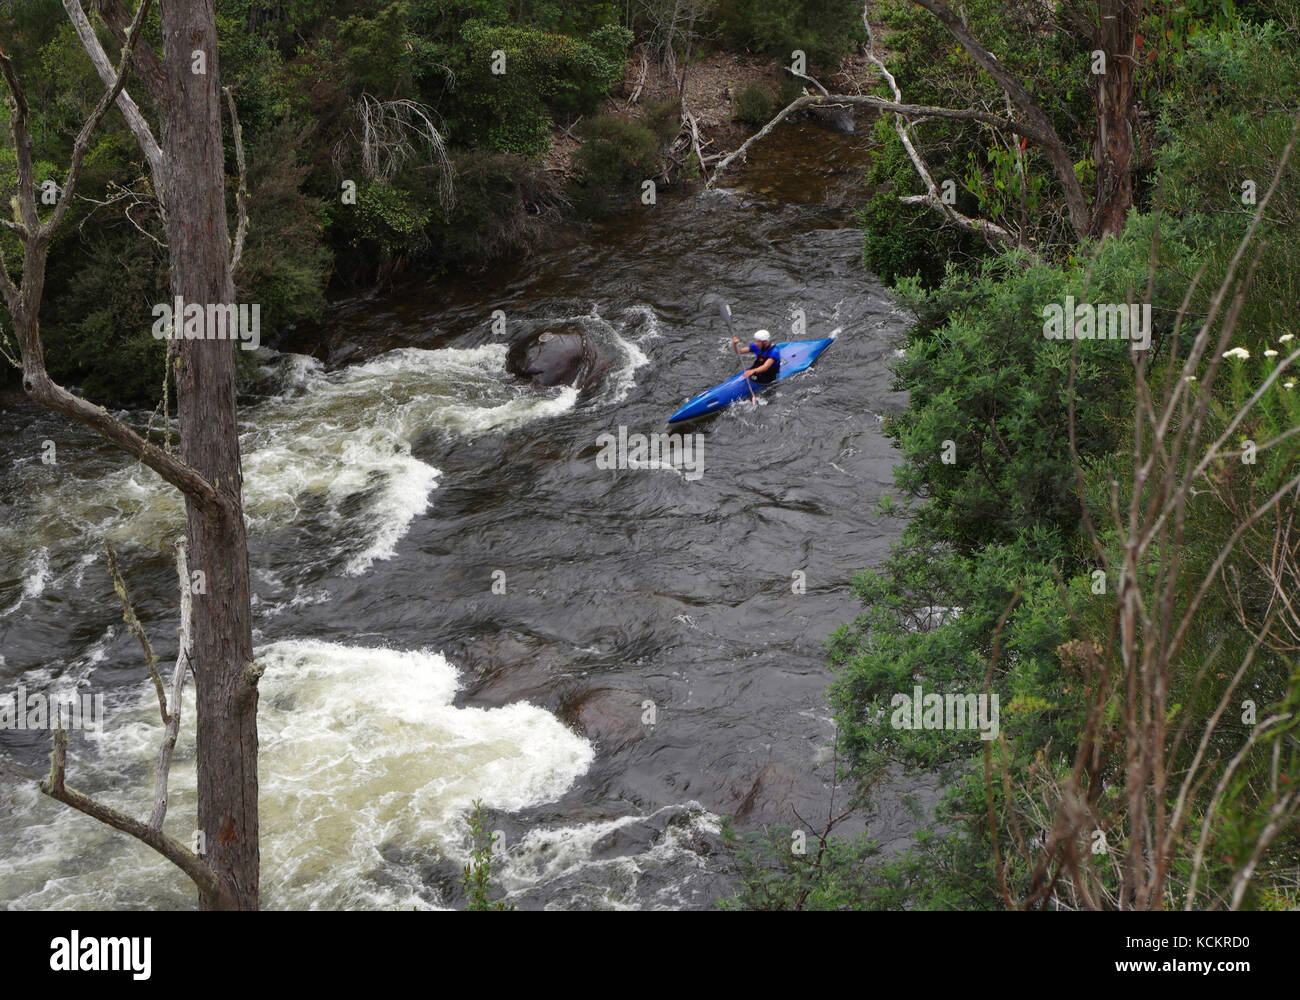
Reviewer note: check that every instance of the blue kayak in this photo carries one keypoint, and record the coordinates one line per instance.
(796, 355)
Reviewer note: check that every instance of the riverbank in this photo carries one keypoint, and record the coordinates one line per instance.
(710, 91)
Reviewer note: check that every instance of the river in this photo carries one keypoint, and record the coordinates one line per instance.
(652, 663)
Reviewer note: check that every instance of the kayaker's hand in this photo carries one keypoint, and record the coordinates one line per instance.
(735, 341)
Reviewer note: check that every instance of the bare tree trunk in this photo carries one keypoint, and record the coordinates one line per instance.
(188, 168)
(197, 235)
(1113, 96)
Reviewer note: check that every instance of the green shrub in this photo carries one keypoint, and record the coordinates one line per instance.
(824, 29)
(789, 90)
(754, 105)
(546, 74)
(615, 155)
(664, 119)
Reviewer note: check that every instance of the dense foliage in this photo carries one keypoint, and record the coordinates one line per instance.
(354, 113)
(996, 584)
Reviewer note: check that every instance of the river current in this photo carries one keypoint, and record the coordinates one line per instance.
(455, 603)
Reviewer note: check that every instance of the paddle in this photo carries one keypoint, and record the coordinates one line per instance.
(725, 310)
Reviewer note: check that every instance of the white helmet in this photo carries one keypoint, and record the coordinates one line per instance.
(762, 336)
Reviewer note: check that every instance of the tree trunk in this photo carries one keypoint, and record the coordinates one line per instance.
(225, 683)
(1113, 97)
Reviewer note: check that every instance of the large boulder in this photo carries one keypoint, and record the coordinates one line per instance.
(564, 356)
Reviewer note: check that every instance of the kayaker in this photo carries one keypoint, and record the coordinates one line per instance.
(767, 364)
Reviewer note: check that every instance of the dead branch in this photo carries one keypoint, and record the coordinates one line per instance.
(56, 787)
(241, 194)
(130, 111)
(150, 833)
(1028, 130)
(394, 132)
(172, 716)
(688, 120)
(136, 629)
(645, 69)
(991, 232)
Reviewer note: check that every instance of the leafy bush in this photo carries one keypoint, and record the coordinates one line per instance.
(615, 155)
(545, 74)
(824, 29)
(754, 105)
(821, 875)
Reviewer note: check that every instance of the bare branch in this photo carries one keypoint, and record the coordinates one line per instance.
(172, 717)
(1028, 130)
(133, 623)
(113, 79)
(241, 195)
(56, 787)
(989, 231)
(391, 134)
(41, 388)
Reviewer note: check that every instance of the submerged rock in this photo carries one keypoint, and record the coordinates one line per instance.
(836, 117)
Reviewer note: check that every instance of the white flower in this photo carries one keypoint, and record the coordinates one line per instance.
(1286, 336)
(1238, 352)
(1288, 385)
(1189, 378)
(1270, 353)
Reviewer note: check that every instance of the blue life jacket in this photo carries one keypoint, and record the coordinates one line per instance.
(762, 354)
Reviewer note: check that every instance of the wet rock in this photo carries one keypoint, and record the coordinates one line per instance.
(623, 841)
(506, 668)
(609, 716)
(563, 356)
(769, 795)
(836, 117)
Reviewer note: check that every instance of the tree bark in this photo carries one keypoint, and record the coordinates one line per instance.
(1114, 96)
(188, 165)
(198, 239)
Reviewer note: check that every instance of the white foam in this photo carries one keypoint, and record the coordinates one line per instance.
(327, 439)
(363, 756)
(547, 855)
(36, 577)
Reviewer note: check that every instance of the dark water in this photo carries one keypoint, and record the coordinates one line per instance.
(399, 472)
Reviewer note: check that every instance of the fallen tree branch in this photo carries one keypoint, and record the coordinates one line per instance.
(1028, 130)
(688, 120)
(645, 69)
(804, 76)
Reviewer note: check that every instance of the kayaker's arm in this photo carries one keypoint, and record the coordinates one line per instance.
(748, 347)
(759, 369)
